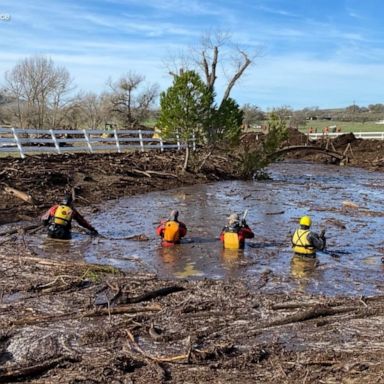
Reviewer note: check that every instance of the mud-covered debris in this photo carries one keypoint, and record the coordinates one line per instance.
(350, 204)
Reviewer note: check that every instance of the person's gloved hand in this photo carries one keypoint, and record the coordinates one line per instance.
(244, 223)
(322, 237)
(324, 242)
(94, 232)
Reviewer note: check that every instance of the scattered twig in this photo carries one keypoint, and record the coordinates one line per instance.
(168, 359)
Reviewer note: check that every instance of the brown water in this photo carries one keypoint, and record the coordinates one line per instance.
(274, 207)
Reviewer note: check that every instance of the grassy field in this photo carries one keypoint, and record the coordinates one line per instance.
(345, 126)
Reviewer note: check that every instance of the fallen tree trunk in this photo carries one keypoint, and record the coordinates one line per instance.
(121, 298)
(79, 315)
(19, 194)
(313, 313)
(8, 375)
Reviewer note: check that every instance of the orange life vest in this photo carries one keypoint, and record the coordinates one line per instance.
(63, 215)
(171, 231)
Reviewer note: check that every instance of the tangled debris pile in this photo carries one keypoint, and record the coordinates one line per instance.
(363, 153)
(79, 323)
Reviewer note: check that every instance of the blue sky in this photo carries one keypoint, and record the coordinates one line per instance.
(325, 53)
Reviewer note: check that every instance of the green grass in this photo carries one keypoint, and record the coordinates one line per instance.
(345, 126)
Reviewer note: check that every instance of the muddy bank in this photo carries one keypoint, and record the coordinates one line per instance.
(362, 153)
(79, 323)
(98, 177)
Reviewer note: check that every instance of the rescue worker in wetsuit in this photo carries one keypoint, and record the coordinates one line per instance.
(59, 219)
(305, 242)
(233, 235)
(171, 230)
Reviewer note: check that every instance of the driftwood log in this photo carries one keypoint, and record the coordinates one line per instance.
(19, 194)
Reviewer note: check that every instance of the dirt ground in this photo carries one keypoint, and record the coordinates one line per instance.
(64, 322)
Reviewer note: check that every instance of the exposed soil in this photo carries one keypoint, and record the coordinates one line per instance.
(64, 322)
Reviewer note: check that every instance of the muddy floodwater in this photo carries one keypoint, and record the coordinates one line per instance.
(347, 202)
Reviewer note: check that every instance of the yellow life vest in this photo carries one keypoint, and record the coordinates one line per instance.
(231, 239)
(300, 243)
(171, 231)
(63, 215)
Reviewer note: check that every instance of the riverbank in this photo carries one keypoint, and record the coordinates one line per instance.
(94, 178)
(361, 153)
(67, 322)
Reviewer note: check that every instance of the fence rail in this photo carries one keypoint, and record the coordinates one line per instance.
(60, 141)
(359, 135)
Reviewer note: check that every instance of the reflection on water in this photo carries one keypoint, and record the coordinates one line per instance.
(274, 208)
(230, 258)
(189, 271)
(303, 267)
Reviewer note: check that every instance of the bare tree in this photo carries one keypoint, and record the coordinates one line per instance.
(216, 52)
(39, 88)
(94, 108)
(252, 115)
(3, 111)
(131, 99)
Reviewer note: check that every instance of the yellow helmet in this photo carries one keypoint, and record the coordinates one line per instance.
(306, 220)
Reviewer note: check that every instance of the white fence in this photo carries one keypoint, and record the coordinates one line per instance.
(86, 140)
(359, 135)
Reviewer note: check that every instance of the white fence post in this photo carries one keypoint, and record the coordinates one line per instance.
(57, 146)
(18, 143)
(87, 140)
(178, 141)
(117, 141)
(161, 145)
(141, 140)
(193, 141)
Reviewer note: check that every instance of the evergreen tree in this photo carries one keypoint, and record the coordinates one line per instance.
(185, 107)
(226, 123)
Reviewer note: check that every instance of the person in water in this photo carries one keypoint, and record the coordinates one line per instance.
(305, 242)
(59, 220)
(171, 230)
(233, 235)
